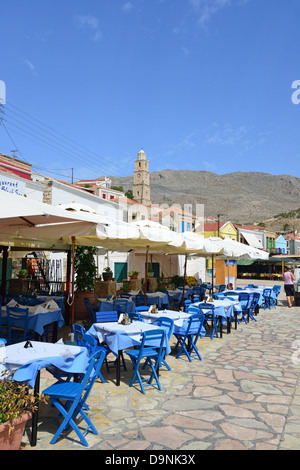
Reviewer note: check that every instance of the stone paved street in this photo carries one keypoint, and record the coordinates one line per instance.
(244, 394)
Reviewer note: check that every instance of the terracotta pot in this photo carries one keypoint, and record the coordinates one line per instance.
(80, 311)
(13, 440)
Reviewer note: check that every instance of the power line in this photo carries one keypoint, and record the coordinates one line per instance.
(51, 144)
(77, 145)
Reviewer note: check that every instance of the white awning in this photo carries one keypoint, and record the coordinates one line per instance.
(252, 240)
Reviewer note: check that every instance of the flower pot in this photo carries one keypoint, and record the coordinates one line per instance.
(12, 440)
(133, 276)
(107, 276)
(151, 274)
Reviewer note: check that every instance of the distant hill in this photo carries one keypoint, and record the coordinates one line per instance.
(243, 197)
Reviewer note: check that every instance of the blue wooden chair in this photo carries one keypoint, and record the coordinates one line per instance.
(124, 296)
(79, 331)
(17, 323)
(187, 303)
(70, 399)
(120, 305)
(135, 316)
(110, 316)
(168, 325)
(102, 317)
(268, 302)
(139, 300)
(90, 311)
(92, 346)
(151, 349)
(142, 308)
(245, 302)
(253, 306)
(209, 316)
(187, 340)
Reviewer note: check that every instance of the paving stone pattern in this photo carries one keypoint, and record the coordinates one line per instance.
(244, 394)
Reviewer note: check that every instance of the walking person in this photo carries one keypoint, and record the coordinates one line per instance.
(288, 279)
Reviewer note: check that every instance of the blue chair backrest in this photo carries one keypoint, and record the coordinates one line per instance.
(90, 343)
(139, 300)
(102, 317)
(245, 299)
(89, 308)
(255, 300)
(195, 323)
(142, 308)
(222, 287)
(125, 296)
(267, 292)
(79, 331)
(209, 309)
(17, 318)
(193, 309)
(167, 324)
(120, 305)
(92, 372)
(135, 316)
(154, 338)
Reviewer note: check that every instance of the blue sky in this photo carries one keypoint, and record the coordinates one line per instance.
(198, 84)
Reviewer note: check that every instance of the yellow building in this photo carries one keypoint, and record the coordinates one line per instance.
(226, 230)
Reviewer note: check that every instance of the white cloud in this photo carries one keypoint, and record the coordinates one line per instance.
(91, 23)
(127, 6)
(205, 9)
(30, 65)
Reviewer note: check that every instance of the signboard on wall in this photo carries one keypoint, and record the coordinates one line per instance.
(12, 186)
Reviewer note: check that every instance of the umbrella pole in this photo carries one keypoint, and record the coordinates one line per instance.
(212, 275)
(73, 279)
(146, 277)
(184, 276)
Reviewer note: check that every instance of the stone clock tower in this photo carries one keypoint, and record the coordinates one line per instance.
(141, 180)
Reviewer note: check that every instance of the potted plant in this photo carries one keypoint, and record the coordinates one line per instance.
(150, 271)
(16, 407)
(107, 274)
(85, 272)
(22, 274)
(133, 274)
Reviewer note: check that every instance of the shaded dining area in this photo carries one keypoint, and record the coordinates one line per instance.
(132, 333)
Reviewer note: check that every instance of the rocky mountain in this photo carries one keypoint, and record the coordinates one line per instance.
(242, 197)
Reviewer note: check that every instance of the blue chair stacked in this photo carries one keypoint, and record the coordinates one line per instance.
(187, 340)
(268, 301)
(209, 316)
(151, 349)
(70, 399)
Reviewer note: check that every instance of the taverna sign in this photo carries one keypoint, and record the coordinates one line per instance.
(12, 186)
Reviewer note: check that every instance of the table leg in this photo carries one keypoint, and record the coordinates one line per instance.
(118, 369)
(228, 326)
(35, 415)
(235, 320)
